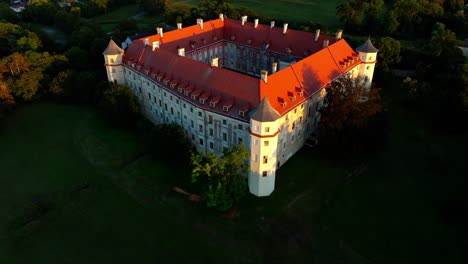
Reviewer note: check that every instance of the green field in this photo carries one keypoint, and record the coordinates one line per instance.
(299, 11)
(292, 11)
(76, 191)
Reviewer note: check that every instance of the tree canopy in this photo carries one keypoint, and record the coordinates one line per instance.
(222, 179)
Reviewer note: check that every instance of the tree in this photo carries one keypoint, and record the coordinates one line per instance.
(389, 53)
(442, 40)
(119, 105)
(222, 179)
(6, 99)
(348, 124)
(154, 7)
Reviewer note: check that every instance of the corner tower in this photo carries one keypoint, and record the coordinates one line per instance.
(113, 62)
(368, 55)
(264, 131)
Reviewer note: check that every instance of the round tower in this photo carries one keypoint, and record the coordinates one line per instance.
(264, 132)
(113, 62)
(368, 55)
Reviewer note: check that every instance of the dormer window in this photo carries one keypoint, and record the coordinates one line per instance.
(249, 41)
(226, 108)
(282, 102)
(204, 41)
(241, 113)
(233, 37)
(166, 81)
(147, 71)
(194, 96)
(138, 66)
(133, 65)
(215, 38)
(193, 44)
(213, 104)
(202, 101)
(299, 91)
(129, 63)
(292, 96)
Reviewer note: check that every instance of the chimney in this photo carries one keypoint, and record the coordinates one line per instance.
(256, 23)
(146, 42)
(274, 67)
(339, 33)
(264, 75)
(317, 35)
(200, 22)
(244, 19)
(181, 52)
(285, 28)
(179, 25)
(272, 24)
(325, 43)
(160, 31)
(214, 62)
(155, 45)
(221, 16)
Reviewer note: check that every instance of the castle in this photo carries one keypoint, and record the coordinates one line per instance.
(232, 81)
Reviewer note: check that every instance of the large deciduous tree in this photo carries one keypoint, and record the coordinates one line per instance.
(389, 53)
(222, 179)
(349, 117)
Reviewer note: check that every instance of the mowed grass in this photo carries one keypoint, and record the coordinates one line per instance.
(298, 11)
(292, 11)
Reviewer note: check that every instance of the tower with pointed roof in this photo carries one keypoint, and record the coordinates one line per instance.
(264, 131)
(368, 55)
(113, 62)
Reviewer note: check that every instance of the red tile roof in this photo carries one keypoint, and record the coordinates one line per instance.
(285, 88)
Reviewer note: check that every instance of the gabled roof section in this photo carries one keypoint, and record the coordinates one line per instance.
(113, 49)
(367, 47)
(300, 43)
(309, 75)
(265, 112)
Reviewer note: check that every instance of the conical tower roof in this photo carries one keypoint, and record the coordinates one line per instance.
(113, 49)
(265, 112)
(367, 47)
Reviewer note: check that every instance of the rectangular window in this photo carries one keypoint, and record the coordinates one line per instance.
(160, 103)
(201, 142)
(191, 109)
(293, 125)
(170, 97)
(239, 126)
(191, 121)
(239, 140)
(211, 145)
(177, 101)
(211, 132)
(267, 129)
(165, 106)
(172, 111)
(265, 159)
(224, 122)
(193, 137)
(295, 110)
(264, 173)
(266, 143)
(256, 157)
(224, 136)
(183, 106)
(200, 128)
(199, 114)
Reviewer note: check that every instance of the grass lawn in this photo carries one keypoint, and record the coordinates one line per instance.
(74, 190)
(293, 11)
(299, 11)
(109, 20)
